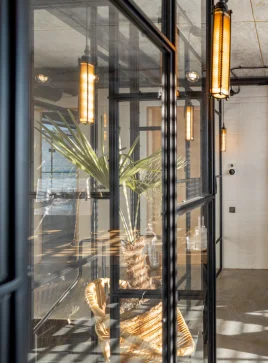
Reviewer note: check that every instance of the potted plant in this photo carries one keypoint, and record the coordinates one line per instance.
(137, 176)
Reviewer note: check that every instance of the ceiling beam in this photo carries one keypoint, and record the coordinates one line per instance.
(47, 4)
(249, 81)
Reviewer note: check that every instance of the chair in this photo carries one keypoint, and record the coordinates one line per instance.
(141, 335)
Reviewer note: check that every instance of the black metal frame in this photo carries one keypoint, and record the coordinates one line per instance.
(219, 182)
(15, 286)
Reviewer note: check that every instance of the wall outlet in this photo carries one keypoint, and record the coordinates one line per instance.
(231, 209)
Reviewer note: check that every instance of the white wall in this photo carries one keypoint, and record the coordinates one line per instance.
(246, 231)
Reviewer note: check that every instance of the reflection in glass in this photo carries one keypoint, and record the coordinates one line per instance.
(192, 274)
(189, 119)
(189, 177)
(78, 257)
(192, 76)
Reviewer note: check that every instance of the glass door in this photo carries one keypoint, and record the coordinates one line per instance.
(101, 184)
(195, 189)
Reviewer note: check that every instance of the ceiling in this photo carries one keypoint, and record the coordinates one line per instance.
(249, 33)
(60, 35)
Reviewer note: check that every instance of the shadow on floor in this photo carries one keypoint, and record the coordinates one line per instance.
(242, 316)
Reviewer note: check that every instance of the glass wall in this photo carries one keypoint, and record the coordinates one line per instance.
(96, 199)
(194, 227)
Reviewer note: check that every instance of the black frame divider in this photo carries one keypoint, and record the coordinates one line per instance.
(219, 185)
(169, 157)
(211, 269)
(114, 183)
(14, 181)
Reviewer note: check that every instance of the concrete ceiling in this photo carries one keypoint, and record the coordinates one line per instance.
(249, 32)
(249, 35)
(59, 36)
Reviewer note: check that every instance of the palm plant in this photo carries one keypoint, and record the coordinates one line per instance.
(137, 175)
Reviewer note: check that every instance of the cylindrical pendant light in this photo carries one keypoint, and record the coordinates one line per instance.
(221, 51)
(86, 85)
(105, 126)
(223, 138)
(189, 122)
(86, 91)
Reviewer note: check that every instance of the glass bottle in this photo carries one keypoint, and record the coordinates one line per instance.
(150, 246)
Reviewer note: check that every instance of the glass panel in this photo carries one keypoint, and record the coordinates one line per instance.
(141, 322)
(140, 56)
(191, 63)
(192, 270)
(191, 249)
(141, 258)
(193, 312)
(153, 9)
(78, 255)
(189, 175)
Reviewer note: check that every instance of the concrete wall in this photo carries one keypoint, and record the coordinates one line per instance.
(246, 231)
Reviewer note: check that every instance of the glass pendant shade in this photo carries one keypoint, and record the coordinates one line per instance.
(189, 122)
(221, 51)
(86, 91)
(223, 138)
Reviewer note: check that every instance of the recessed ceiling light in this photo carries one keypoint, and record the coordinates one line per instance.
(42, 78)
(192, 76)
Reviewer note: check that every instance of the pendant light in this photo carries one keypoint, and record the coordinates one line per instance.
(221, 50)
(86, 84)
(189, 122)
(223, 138)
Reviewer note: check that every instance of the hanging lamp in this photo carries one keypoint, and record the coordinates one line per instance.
(221, 50)
(189, 122)
(223, 138)
(86, 84)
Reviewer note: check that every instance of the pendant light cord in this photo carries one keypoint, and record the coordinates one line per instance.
(223, 114)
(87, 47)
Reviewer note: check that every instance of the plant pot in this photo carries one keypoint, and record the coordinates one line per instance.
(137, 270)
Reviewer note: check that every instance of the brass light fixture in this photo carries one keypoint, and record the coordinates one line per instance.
(221, 51)
(189, 122)
(223, 138)
(86, 84)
